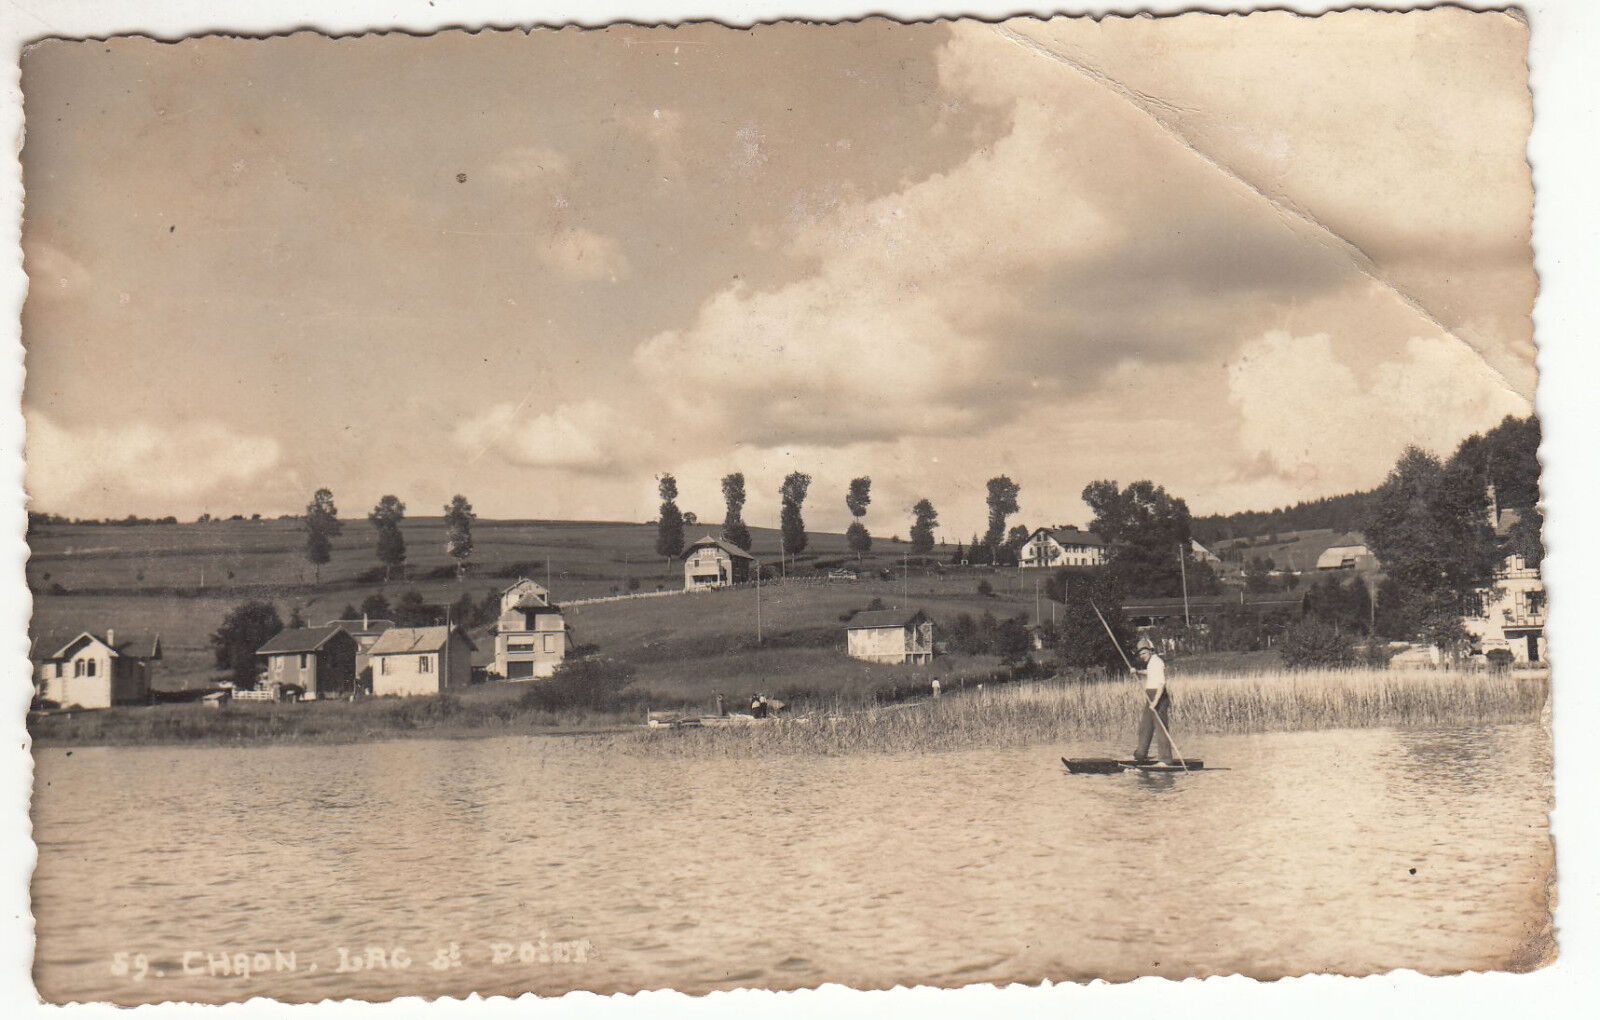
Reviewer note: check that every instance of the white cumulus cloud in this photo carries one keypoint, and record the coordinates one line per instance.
(1322, 422)
(89, 469)
(585, 436)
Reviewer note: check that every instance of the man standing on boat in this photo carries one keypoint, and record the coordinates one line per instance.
(1157, 703)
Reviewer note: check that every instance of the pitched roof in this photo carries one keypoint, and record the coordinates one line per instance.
(727, 547)
(132, 646)
(1076, 536)
(414, 640)
(299, 639)
(362, 627)
(877, 618)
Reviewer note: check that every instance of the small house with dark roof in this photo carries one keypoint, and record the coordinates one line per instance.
(531, 637)
(714, 563)
(366, 631)
(890, 635)
(1067, 546)
(317, 662)
(95, 671)
(420, 660)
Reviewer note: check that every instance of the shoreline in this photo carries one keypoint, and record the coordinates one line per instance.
(1004, 715)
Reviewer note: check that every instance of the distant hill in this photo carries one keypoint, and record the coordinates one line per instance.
(1331, 513)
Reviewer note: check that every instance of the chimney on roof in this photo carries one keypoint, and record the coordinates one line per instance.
(111, 638)
(364, 624)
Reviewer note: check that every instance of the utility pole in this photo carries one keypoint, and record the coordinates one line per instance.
(905, 580)
(758, 602)
(547, 575)
(1184, 571)
(1037, 618)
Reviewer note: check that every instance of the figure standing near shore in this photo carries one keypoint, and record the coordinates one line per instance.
(1157, 704)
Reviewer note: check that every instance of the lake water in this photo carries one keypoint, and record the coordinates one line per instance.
(1352, 851)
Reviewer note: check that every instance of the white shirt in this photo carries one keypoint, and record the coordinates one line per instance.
(1155, 674)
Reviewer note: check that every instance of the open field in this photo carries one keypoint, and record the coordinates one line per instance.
(1028, 714)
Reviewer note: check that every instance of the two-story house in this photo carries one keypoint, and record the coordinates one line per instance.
(1511, 613)
(1067, 546)
(531, 637)
(713, 563)
(94, 671)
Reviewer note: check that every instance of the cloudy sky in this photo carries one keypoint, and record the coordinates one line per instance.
(1248, 258)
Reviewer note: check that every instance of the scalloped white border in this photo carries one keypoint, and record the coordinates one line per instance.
(1566, 162)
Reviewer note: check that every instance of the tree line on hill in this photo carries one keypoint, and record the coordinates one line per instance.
(322, 525)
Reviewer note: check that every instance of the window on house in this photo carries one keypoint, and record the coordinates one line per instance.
(424, 664)
(61, 669)
(91, 668)
(383, 665)
(303, 659)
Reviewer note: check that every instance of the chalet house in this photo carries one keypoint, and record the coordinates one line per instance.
(890, 635)
(1348, 552)
(713, 563)
(91, 671)
(1066, 546)
(531, 637)
(366, 631)
(319, 661)
(420, 660)
(1511, 614)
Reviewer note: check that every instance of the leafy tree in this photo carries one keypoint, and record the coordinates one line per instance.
(385, 519)
(322, 526)
(857, 499)
(691, 518)
(296, 621)
(1080, 638)
(1526, 537)
(923, 519)
(793, 494)
(245, 628)
(349, 612)
(1010, 551)
(1257, 576)
(1313, 644)
(1148, 533)
(669, 524)
(1002, 500)
(458, 518)
(375, 606)
(413, 611)
(979, 554)
(1429, 528)
(959, 556)
(733, 527)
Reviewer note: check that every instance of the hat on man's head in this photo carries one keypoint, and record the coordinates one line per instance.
(1145, 644)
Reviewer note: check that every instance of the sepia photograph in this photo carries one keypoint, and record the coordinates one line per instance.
(868, 503)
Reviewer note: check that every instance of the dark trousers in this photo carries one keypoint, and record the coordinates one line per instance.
(1153, 707)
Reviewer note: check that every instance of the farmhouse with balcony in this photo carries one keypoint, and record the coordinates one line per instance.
(1511, 613)
(1067, 546)
(713, 563)
(420, 660)
(531, 637)
(890, 635)
(320, 662)
(90, 671)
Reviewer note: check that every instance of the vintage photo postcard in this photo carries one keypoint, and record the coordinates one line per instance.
(695, 508)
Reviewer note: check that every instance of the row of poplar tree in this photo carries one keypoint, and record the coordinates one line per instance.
(322, 526)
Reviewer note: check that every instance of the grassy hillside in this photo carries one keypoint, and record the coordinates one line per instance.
(180, 579)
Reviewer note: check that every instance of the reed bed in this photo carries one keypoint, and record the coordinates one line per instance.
(1027, 714)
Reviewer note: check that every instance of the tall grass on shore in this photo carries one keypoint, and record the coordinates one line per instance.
(331, 722)
(1035, 713)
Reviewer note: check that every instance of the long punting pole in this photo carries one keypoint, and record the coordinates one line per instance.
(1150, 708)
